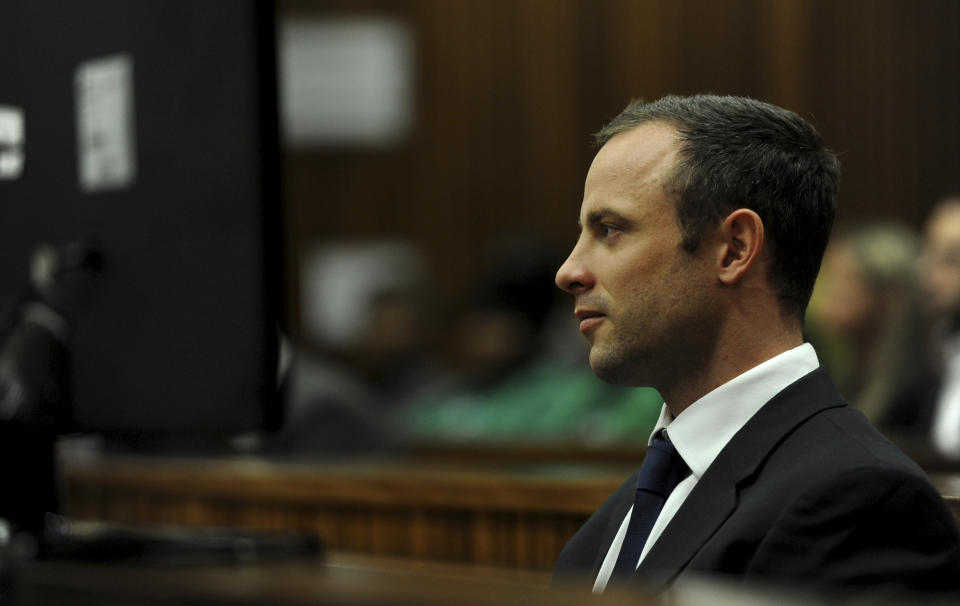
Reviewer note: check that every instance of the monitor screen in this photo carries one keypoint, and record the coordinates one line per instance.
(147, 130)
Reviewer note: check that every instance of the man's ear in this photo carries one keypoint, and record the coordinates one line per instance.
(741, 235)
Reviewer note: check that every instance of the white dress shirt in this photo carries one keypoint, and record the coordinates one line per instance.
(701, 431)
(946, 419)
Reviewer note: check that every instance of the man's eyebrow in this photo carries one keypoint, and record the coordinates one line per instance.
(599, 216)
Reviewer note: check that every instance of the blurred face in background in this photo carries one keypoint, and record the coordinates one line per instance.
(848, 305)
(940, 262)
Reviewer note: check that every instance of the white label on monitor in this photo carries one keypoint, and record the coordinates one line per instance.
(11, 142)
(106, 142)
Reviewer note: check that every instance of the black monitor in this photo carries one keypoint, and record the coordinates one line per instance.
(144, 134)
(147, 131)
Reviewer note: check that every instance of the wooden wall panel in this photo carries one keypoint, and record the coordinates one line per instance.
(509, 90)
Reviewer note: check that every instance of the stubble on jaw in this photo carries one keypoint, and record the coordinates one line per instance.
(667, 341)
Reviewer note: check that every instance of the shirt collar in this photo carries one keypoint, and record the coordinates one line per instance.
(702, 430)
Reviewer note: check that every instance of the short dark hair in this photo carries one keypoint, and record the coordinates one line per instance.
(738, 152)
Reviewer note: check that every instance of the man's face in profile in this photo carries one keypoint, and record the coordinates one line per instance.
(639, 297)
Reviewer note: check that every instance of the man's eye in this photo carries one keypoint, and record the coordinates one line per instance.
(607, 230)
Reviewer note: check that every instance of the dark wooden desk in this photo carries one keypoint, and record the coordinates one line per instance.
(343, 581)
(350, 580)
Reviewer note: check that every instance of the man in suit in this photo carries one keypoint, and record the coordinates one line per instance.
(703, 224)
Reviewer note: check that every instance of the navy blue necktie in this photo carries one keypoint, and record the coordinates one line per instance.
(661, 471)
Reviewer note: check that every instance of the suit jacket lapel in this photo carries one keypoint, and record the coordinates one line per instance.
(715, 496)
(624, 501)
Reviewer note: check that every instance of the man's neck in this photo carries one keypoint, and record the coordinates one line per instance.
(727, 363)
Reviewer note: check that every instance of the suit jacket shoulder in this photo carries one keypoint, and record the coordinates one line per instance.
(808, 491)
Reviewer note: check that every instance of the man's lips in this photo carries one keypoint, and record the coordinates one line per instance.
(589, 318)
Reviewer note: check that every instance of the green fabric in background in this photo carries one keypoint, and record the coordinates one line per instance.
(546, 402)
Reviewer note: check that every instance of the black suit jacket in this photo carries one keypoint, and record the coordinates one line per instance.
(806, 492)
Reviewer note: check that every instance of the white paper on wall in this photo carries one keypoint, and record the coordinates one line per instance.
(106, 142)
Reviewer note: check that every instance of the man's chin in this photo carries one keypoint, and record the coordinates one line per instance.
(612, 370)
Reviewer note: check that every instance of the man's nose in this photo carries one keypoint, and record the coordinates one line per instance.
(573, 276)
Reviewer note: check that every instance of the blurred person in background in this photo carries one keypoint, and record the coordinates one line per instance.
(515, 376)
(927, 409)
(367, 348)
(864, 316)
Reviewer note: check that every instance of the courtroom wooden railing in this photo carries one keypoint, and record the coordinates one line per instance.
(498, 518)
